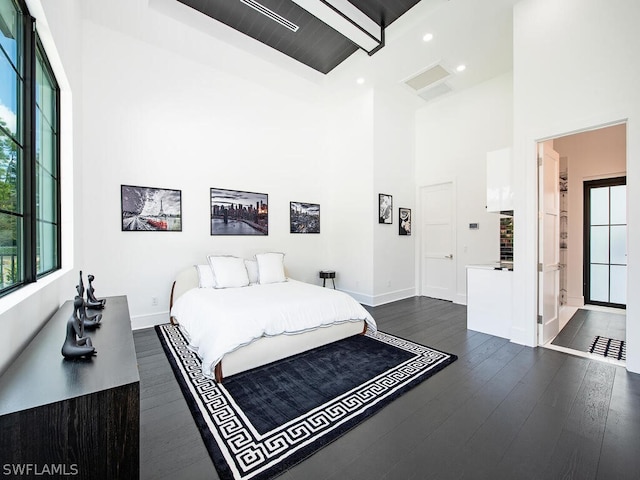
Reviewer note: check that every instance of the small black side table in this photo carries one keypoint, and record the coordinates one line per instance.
(324, 274)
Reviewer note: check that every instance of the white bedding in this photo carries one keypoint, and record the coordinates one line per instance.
(219, 321)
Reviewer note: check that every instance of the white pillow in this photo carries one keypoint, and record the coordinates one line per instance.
(205, 276)
(230, 272)
(270, 268)
(252, 270)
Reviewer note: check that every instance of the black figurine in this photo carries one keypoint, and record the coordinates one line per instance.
(80, 286)
(89, 321)
(92, 301)
(76, 345)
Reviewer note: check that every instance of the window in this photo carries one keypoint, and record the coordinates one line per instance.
(29, 153)
(46, 168)
(605, 241)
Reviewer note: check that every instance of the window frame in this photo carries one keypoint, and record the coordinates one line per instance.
(29, 49)
(39, 49)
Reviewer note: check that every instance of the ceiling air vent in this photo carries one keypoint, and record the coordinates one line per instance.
(271, 14)
(430, 83)
(433, 92)
(428, 77)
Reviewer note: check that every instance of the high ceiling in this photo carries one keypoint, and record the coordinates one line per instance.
(319, 33)
(476, 34)
(465, 32)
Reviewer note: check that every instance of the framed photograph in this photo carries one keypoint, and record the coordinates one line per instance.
(234, 212)
(304, 217)
(385, 208)
(147, 209)
(404, 225)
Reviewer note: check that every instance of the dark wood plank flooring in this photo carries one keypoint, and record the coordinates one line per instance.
(585, 324)
(502, 411)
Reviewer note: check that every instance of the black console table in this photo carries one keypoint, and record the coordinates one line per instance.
(74, 418)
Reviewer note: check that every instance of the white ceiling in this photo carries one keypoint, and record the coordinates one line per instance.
(475, 33)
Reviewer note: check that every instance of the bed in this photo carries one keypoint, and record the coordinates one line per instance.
(237, 328)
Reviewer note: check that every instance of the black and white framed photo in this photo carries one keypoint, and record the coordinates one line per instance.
(404, 222)
(385, 208)
(304, 217)
(234, 212)
(150, 209)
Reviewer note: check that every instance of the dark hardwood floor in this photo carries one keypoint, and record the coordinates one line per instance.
(585, 324)
(502, 411)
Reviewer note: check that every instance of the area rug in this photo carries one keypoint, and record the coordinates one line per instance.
(609, 347)
(260, 423)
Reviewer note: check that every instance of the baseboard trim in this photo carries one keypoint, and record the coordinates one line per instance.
(367, 300)
(393, 296)
(139, 322)
(519, 336)
(575, 301)
(382, 299)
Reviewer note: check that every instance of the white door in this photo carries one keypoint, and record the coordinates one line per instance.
(437, 270)
(548, 242)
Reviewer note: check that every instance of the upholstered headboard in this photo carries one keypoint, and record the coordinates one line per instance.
(185, 280)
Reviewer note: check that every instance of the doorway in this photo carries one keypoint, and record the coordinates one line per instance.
(548, 242)
(605, 242)
(590, 158)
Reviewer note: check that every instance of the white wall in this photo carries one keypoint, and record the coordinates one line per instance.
(23, 312)
(573, 70)
(156, 114)
(153, 118)
(348, 155)
(591, 155)
(453, 136)
(394, 145)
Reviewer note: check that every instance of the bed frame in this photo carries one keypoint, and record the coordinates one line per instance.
(266, 349)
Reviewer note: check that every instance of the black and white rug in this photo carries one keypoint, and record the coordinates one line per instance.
(609, 347)
(260, 423)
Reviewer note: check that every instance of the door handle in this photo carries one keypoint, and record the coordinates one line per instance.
(449, 256)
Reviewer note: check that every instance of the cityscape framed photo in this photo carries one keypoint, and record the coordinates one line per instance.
(304, 217)
(235, 212)
(145, 209)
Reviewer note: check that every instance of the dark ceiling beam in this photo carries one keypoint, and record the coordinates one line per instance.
(345, 18)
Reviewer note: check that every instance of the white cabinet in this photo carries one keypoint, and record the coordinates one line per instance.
(489, 294)
(499, 181)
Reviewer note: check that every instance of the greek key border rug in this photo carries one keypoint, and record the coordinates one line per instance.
(244, 449)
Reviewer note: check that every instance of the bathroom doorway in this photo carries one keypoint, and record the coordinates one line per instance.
(592, 239)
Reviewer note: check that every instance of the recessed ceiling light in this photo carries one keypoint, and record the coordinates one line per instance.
(461, 68)
(428, 37)
(360, 81)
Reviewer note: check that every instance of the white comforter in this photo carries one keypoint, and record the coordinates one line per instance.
(218, 321)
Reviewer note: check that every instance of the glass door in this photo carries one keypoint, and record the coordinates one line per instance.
(605, 245)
